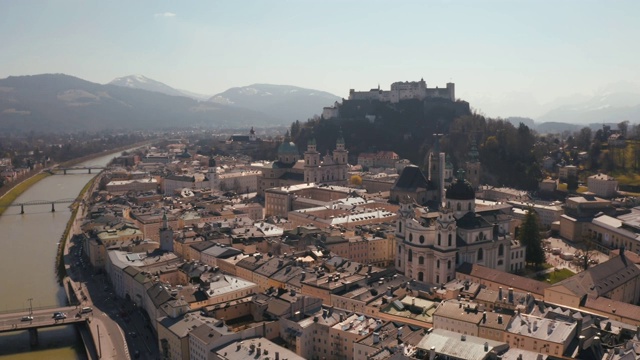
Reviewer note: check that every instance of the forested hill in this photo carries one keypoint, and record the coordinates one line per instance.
(406, 127)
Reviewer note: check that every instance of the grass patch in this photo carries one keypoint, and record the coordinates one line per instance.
(8, 198)
(556, 276)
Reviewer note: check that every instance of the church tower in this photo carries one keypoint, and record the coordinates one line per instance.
(340, 158)
(311, 161)
(472, 166)
(252, 134)
(166, 235)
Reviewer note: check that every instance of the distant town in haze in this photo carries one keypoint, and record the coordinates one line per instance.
(397, 223)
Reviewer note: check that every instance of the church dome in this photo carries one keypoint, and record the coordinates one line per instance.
(460, 189)
(288, 147)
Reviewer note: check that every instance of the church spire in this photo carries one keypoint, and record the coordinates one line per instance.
(165, 221)
(474, 155)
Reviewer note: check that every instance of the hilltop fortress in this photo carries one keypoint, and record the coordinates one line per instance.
(405, 91)
(408, 90)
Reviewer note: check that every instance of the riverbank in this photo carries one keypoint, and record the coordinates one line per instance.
(9, 197)
(61, 270)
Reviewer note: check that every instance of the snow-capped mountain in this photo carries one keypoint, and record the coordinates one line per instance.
(285, 102)
(145, 83)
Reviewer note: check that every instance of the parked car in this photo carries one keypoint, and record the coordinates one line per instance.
(27, 318)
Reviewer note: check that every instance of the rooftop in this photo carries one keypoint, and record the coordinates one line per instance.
(542, 328)
(459, 346)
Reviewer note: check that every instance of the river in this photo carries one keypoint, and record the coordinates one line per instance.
(27, 264)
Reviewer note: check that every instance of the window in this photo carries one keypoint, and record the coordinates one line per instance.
(421, 239)
(421, 260)
(450, 237)
(480, 254)
(501, 250)
(438, 264)
(410, 237)
(458, 207)
(449, 264)
(399, 226)
(420, 276)
(439, 237)
(410, 257)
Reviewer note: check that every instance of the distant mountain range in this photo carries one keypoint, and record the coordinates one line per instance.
(144, 83)
(279, 101)
(58, 102)
(612, 105)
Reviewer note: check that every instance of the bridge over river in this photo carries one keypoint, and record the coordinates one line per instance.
(42, 202)
(42, 318)
(73, 169)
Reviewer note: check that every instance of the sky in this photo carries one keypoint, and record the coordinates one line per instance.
(510, 57)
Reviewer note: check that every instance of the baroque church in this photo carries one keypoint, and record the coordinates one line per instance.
(291, 169)
(431, 244)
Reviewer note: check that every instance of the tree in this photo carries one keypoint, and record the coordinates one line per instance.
(355, 180)
(583, 138)
(623, 127)
(529, 236)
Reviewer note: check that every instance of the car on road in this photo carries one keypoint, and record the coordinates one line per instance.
(27, 318)
(59, 316)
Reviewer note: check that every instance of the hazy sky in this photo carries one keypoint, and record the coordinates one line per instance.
(506, 57)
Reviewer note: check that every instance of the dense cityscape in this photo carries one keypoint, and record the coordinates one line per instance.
(197, 245)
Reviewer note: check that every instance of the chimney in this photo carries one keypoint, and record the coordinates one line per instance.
(463, 337)
(238, 348)
(499, 319)
(432, 353)
(258, 352)
(302, 275)
(370, 267)
(484, 317)
(581, 340)
(496, 231)
(486, 346)
(500, 293)
(400, 331)
(511, 295)
(376, 337)
(292, 293)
